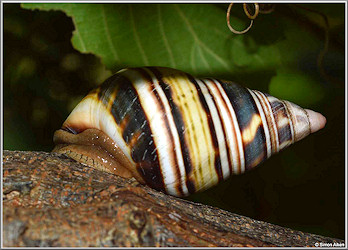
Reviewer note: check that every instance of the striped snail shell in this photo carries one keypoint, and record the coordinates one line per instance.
(176, 133)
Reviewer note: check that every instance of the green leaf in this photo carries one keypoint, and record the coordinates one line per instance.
(297, 87)
(190, 37)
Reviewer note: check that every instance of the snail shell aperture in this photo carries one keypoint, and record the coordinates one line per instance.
(176, 133)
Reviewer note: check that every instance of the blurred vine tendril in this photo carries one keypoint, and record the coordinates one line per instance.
(258, 8)
(325, 49)
(269, 8)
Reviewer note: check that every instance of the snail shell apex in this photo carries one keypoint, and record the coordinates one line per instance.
(177, 133)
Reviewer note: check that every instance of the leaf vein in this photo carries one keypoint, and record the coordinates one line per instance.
(137, 39)
(192, 58)
(84, 49)
(205, 61)
(107, 32)
(166, 43)
(195, 37)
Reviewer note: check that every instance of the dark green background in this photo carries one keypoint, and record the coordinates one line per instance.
(302, 187)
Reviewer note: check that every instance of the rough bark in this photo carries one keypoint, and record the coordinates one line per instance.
(51, 200)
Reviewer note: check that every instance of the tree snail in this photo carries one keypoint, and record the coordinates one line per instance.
(177, 133)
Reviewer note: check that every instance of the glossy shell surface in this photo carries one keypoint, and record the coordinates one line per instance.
(181, 134)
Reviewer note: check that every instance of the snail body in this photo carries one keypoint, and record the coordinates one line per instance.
(177, 133)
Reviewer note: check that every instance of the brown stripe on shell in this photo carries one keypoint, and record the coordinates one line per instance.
(126, 105)
(248, 116)
(108, 87)
(193, 143)
(239, 157)
(228, 149)
(148, 78)
(280, 115)
(290, 118)
(179, 123)
(270, 120)
(217, 163)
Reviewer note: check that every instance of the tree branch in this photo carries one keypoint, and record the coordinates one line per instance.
(50, 200)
